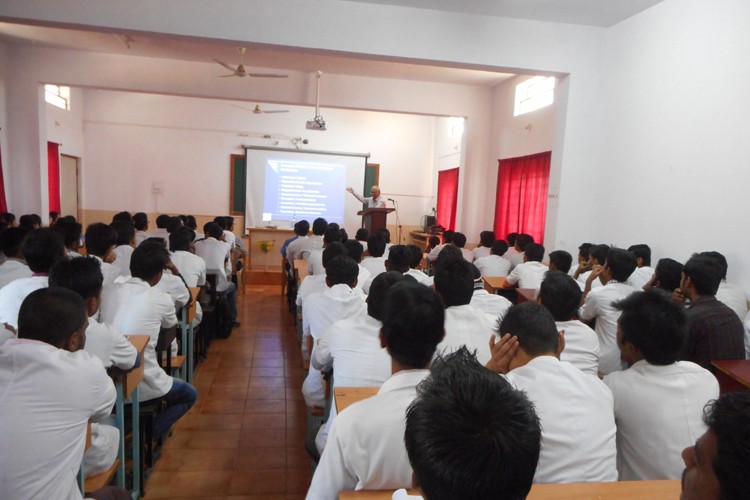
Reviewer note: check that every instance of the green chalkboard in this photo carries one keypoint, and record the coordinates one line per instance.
(237, 184)
(372, 177)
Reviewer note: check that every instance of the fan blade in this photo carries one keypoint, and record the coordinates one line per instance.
(226, 65)
(267, 75)
(226, 76)
(276, 111)
(246, 109)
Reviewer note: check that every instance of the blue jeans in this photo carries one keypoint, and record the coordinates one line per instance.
(180, 398)
(231, 295)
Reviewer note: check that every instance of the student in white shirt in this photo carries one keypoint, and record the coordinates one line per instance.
(643, 271)
(137, 307)
(51, 389)
(732, 295)
(192, 269)
(584, 252)
(416, 259)
(521, 242)
(191, 223)
(340, 301)
(561, 296)
(597, 257)
(659, 400)
(375, 262)
(467, 419)
(362, 235)
(511, 238)
(531, 272)
(100, 243)
(317, 283)
(140, 221)
(494, 264)
(447, 240)
(375, 200)
(124, 245)
(459, 239)
(365, 448)
(14, 267)
(302, 246)
(315, 258)
(71, 232)
(355, 250)
(84, 276)
(489, 303)
(667, 275)
(161, 228)
(598, 303)
(560, 260)
(486, 240)
(216, 253)
(576, 410)
(43, 248)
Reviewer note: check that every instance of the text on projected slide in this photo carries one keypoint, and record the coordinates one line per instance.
(304, 190)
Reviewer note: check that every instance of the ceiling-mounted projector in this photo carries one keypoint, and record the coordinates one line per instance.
(317, 123)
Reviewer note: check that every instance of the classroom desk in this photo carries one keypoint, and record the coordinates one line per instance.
(300, 269)
(732, 374)
(623, 490)
(525, 295)
(127, 387)
(346, 396)
(189, 347)
(493, 283)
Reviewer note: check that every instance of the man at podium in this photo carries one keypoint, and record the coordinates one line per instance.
(374, 201)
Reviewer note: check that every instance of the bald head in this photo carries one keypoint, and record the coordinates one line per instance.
(375, 191)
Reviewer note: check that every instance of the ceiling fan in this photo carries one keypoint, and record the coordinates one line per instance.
(317, 123)
(259, 111)
(240, 69)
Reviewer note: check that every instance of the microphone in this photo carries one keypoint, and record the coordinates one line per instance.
(391, 200)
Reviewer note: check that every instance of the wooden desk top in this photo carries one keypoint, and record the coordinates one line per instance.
(493, 283)
(134, 376)
(737, 369)
(346, 396)
(526, 295)
(300, 266)
(194, 292)
(270, 230)
(624, 490)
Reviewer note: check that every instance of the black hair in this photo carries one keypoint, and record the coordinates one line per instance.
(362, 234)
(599, 253)
(448, 253)
(523, 241)
(213, 230)
(720, 260)
(561, 259)
(42, 249)
(585, 250)
(729, 418)
(384, 233)
(416, 256)
(499, 248)
(331, 234)
(433, 241)
(412, 317)
(486, 239)
(470, 434)
(378, 288)
(173, 223)
(332, 251)
(319, 226)
(342, 270)
(11, 241)
(344, 235)
(82, 275)
(454, 282)
(64, 313)
(9, 218)
(399, 258)
(301, 228)
(653, 323)
(459, 239)
(148, 259)
(621, 264)
(375, 245)
(67, 218)
(161, 221)
(100, 238)
(53, 216)
(668, 274)
(191, 222)
(125, 232)
(181, 239)
(28, 221)
(221, 222)
(533, 325)
(448, 236)
(560, 295)
(122, 216)
(534, 252)
(704, 272)
(140, 221)
(354, 249)
(512, 239)
(70, 231)
(641, 251)
(230, 221)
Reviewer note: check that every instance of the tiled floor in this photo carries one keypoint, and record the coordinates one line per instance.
(244, 437)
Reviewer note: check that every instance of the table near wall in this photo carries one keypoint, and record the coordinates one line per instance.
(264, 268)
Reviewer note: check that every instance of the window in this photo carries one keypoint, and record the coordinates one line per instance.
(57, 95)
(534, 93)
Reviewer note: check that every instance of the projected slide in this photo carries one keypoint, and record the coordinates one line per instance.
(300, 189)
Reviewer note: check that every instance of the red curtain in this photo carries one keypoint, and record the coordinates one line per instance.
(521, 202)
(3, 201)
(53, 175)
(447, 198)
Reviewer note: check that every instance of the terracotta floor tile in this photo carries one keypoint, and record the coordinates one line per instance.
(263, 438)
(278, 382)
(252, 421)
(268, 355)
(258, 371)
(223, 406)
(297, 457)
(188, 484)
(259, 458)
(268, 362)
(211, 422)
(273, 393)
(265, 406)
(298, 480)
(258, 481)
(233, 381)
(226, 392)
(197, 459)
(200, 439)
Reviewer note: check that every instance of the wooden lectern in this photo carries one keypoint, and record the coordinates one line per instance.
(374, 219)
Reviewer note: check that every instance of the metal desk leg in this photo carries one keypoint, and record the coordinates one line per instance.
(135, 399)
(120, 422)
(190, 353)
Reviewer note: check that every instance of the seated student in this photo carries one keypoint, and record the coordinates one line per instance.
(51, 389)
(301, 228)
(495, 264)
(560, 260)
(531, 272)
(317, 283)
(465, 418)
(416, 260)
(302, 246)
(362, 235)
(123, 216)
(643, 270)
(511, 238)
(216, 252)
(365, 448)
(399, 258)
(191, 223)
(597, 257)
(464, 325)
(716, 466)
(173, 223)
(354, 250)
(459, 240)
(100, 243)
(315, 258)
(375, 263)
(667, 275)
(30, 221)
(140, 221)
(732, 295)
(584, 253)
(138, 307)
(339, 301)
(53, 217)
(351, 347)
(124, 245)
(486, 239)
(575, 409)
(229, 236)
(9, 219)
(71, 233)
(447, 240)
(171, 281)
(659, 400)
(521, 242)
(598, 303)
(386, 235)
(192, 269)
(432, 242)
(84, 276)
(14, 267)
(43, 248)
(489, 303)
(161, 228)
(561, 296)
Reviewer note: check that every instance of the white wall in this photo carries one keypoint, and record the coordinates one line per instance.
(66, 127)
